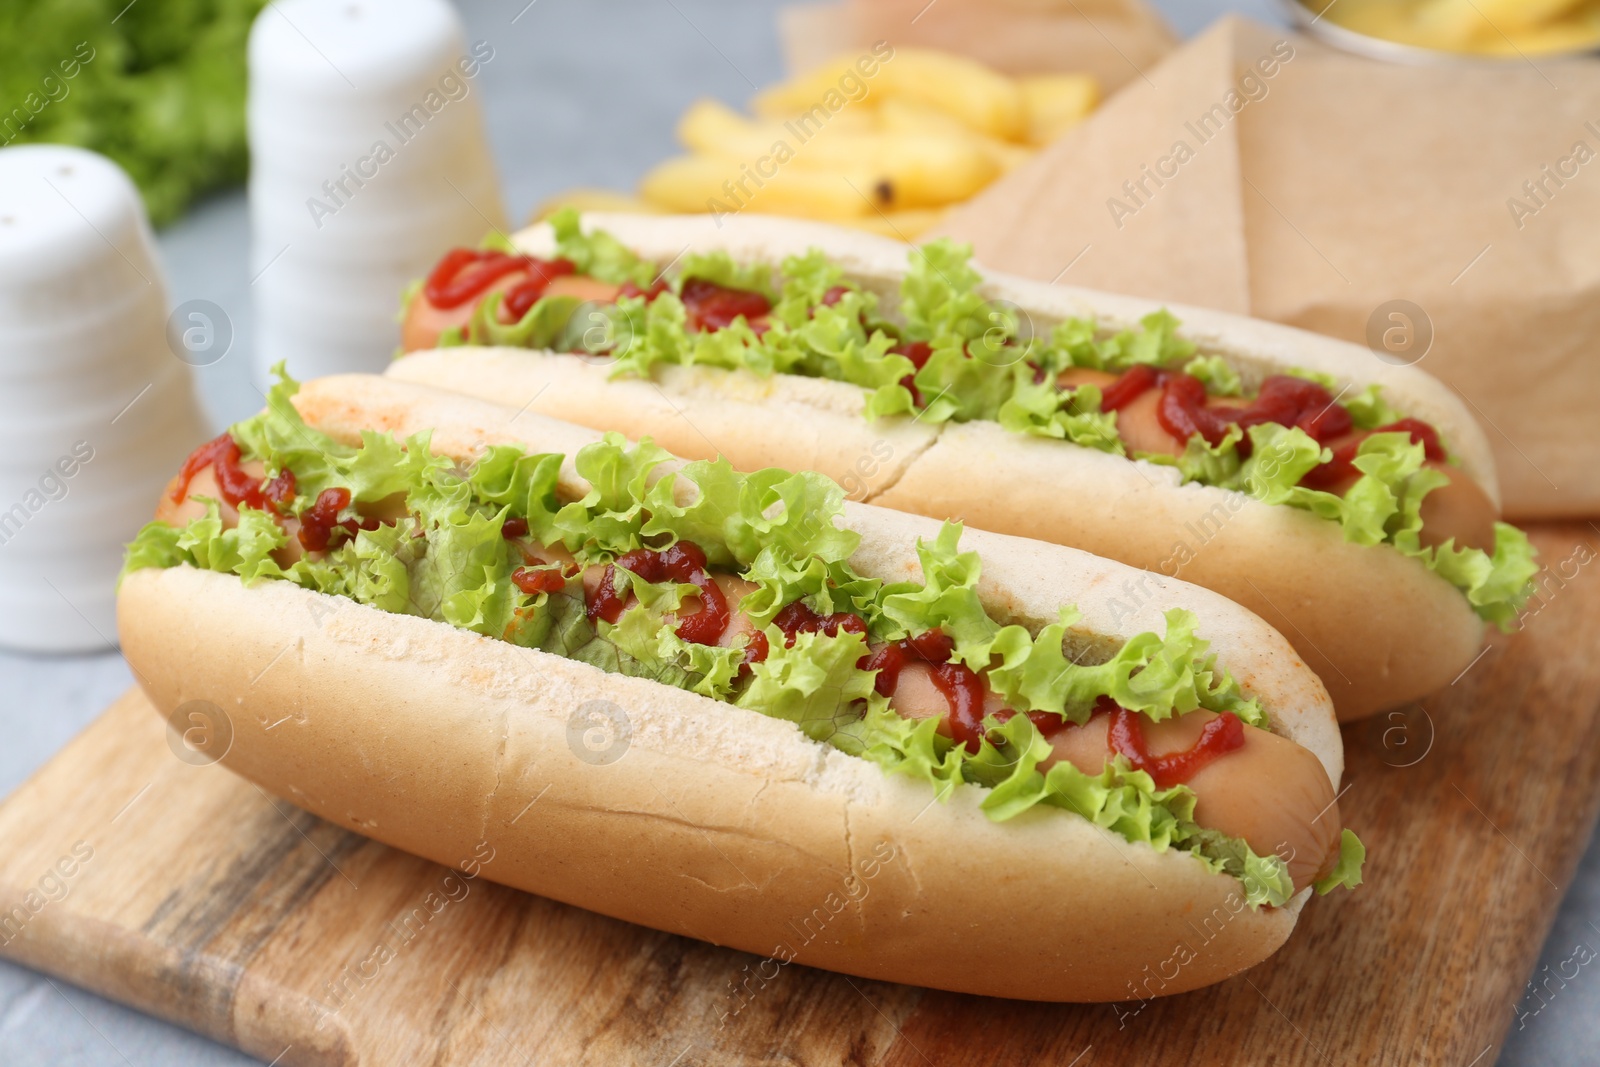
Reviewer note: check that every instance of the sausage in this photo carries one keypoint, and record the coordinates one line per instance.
(584, 287)
(916, 696)
(1137, 424)
(1459, 510)
(1270, 792)
(424, 323)
(1300, 824)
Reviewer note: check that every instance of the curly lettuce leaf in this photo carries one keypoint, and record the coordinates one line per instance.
(1077, 342)
(1219, 378)
(807, 278)
(1347, 872)
(542, 326)
(719, 267)
(825, 587)
(814, 684)
(939, 300)
(1042, 410)
(642, 633)
(1384, 506)
(1156, 342)
(598, 253)
(741, 515)
(1158, 676)
(523, 483)
(608, 520)
(1265, 878)
(1118, 799)
(1368, 409)
(962, 386)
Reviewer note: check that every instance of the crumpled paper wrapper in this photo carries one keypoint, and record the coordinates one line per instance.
(1112, 39)
(1446, 215)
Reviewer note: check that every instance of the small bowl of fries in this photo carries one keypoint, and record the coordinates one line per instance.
(884, 140)
(1431, 31)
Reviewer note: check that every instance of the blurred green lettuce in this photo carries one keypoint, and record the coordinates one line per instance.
(157, 85)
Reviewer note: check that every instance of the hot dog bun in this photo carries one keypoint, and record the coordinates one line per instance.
(716, 822)
(1352, 611)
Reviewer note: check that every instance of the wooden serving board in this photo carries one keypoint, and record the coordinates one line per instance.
(189, 893)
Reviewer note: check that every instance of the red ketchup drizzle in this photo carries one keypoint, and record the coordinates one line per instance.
(1220, 736)
(834, 295)
(682, 562)
(280, 490)
(712, 307)
(522, 296)
(961, 686)
(963, 690)
(1048, 723)
(512, 529)
(1134, 383)
(630, 288)
(465, 274)
(755, 650)
(796, 619)
(918, 352)
(238, 486)
(1182, 410)
(1342, 465)
(535, 580)
(1283, 399)
(321, 519)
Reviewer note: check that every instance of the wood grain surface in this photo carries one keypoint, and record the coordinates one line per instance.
(191, 894)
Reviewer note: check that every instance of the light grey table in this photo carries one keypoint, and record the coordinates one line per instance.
(577, 94)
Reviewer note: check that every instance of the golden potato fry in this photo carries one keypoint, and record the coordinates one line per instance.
(910, 116)
(986, 101)
(704, 183)
(587, 199)
(899, 169)
(712, 126)
(833, 87)
(923, 170)
(1056, 103)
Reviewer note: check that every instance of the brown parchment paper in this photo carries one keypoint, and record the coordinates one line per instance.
(1326, 190)
(1111, 39)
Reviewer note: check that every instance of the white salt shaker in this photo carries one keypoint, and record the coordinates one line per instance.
(368, 161)
(96, 411)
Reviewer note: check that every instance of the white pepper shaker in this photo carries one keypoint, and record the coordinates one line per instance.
(96, 411)
(368, 161)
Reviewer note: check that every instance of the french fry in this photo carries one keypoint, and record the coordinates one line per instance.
(910, 116)
(902, 169)
(962, 87)
(704, 183)
(587, 199)
(1056, 103)
(804, 93)
(714, 127)
(919, 169)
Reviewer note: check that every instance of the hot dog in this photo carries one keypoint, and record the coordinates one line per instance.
(414, 606)
(1349, 502)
